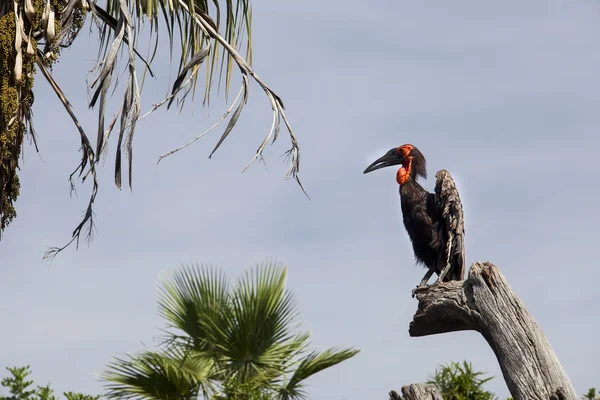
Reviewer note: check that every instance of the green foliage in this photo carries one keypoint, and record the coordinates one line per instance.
(16, 98)
(79, 396)
(224, 341)
(592, 394)
(20, 388)
(10, 136)
(460, 382)
(233, 389)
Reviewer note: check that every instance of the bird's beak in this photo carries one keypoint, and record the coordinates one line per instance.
(386, 161)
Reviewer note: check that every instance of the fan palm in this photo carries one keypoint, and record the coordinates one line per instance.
(33, 33)
(223, 337)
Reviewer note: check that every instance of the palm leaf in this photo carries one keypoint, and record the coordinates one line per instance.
(193, 36)
(161, 376)
(262, 335)
(310, 365)
(195, 301)
(243, 335)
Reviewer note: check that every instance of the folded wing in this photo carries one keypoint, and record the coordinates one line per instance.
(451, 223)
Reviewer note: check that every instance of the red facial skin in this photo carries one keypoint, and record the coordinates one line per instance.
(403, 174)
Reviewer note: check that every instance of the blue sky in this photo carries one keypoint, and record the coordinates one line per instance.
(504, 96)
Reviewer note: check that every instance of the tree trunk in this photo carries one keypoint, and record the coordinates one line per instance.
(418, 391)
(486, 303)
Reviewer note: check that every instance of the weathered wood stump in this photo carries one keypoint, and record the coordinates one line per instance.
(485, 303)
(417, 391)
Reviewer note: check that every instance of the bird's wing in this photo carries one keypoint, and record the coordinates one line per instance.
(450, 210)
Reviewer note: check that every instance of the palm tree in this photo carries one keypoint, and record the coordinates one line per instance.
(223, 339)
(34, 32)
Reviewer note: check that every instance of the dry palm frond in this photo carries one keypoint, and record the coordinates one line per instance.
(88, 159)
(196, 32)
(214, 44)
(208, 26)
(225, 115)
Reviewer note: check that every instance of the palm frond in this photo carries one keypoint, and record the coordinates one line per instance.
(229, 339)
(279, 358)
(310, 365)
(195, 300)
(262, 336)
(195, 36)
(161, 376)
(88, 159)
(249, 329)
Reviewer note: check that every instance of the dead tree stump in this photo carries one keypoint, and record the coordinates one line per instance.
(418, 391)
(485, 303)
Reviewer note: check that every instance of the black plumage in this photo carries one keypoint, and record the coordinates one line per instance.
(434, 221)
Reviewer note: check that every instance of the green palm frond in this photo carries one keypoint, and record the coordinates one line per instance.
(248, 329)
(196, 301)
(263, 330)
(310, 365)
(159, 375)
(284, 352)
(227, 338)
(262, 303)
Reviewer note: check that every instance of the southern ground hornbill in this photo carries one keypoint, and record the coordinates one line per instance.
(434, 221)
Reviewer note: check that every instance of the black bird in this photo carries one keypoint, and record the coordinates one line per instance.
(434, 222)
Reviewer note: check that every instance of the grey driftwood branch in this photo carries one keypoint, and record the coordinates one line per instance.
(485, 303)
(417, 391)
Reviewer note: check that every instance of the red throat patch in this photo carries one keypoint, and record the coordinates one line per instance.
(402, 176)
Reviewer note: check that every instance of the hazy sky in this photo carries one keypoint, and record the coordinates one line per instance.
(504, 95)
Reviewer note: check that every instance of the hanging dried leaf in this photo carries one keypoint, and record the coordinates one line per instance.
(29, 10)
(30, 52)
(19, 67)
(187, 22)
(46, 14)
(236, 113)
(196, 60)
(50, 32)
(18, 31)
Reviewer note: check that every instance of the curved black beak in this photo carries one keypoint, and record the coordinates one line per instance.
(390, 158)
